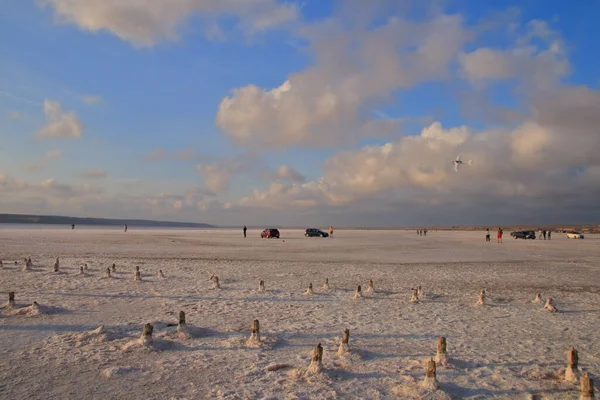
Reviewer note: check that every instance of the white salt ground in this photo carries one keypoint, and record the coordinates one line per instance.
(510, 348)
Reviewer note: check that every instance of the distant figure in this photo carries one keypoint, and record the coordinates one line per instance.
(539, 234)
(245, 229)
(487, 235)
(125, 227)
(72, 226)
(424, 232)
(549, 234)
(500, 235)
(544, 233)
(417, 232)
(331, 231)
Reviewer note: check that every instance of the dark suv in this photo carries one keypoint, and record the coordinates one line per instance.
(523, 234)
(311, 232)
(270, 233)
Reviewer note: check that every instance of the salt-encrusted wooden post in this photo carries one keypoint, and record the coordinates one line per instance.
(160, 274)
(255, 333)
(440, 357)
(344, 348)
(538, 298)
(326, 284)
(415, 296)
(550, 305)
(261, 286)
(138, 274)
(57, 261)
(25, 266)
(430, 381)
(370, 287)
(358, 293)
(81, 272)
(146, 338)
(35, 306)
(309, 290)
(29, 262)
(181, 318)
(572, 372)
(481, 298)
(182, 329)
(114, 268)
(215, 281)
(11, 299)
(56, 265)
(85, 267)
(107, 273)
(316, 363)
(587, 387)
(419, 291)
(1, 264)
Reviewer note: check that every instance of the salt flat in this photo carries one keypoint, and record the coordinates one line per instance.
(510, 348)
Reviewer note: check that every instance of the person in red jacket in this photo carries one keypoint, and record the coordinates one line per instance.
(500, 235)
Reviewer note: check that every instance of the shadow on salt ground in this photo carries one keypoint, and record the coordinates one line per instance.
(578, 311)
(462, 392)
(349, 375)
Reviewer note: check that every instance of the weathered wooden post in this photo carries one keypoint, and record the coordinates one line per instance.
(538, 298)
(85, 267)
(182, 329)
(261, 286)
(29, 262)
(358, 293)
(344, 348)
(326, 284)
(370, 287)
(316, 363)
(481, 298)
(114, 268)
(309, 290)
(430, 381)
(107, 273)
(440, 357)
(255, 333)
(160, 274)
(419, 291)
(146, 338)
(81, 272)
(215, 281)
(572, 371)
(1, 264)
(587, 387)
(550, 305)
(138, 274)
(56, 265)
(11, 299)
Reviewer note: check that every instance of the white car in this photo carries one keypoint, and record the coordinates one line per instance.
(575, 235)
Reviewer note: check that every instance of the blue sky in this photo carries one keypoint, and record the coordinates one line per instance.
(154, 141)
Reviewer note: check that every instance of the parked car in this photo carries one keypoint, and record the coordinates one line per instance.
(270, 233)
(523, 234)
(575, 235)
(312, 232)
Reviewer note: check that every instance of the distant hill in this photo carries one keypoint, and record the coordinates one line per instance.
(61, 220)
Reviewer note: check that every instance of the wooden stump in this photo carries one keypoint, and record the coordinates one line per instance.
(261, 286)
(35, 306)
(81, 272)
(1, 264)
(138, 274)
(358, 293)
(114, 268)
(215, 281)
(57, 261)
(160, 274)
(107, 273)
(86, 267)
(25, 265)
(538, 298)
(572, 372)
(182, 329)
(419, 291)
(587, 387)
(181, 318)
(430, 381)
(11, 299)
(344, 347)
(255, 334)
(316, 363)
(29, 262)
(326, 284)
(549, 306)
(56, 266)
(440, 357)
(309, 290)
(370, 287)
(146, 338)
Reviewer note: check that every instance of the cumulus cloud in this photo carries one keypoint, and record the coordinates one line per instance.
(94, 174)
(283, 173)
(92, 100)
(355, 68)
(184, 155)
(59, 123)
(219, 172)
(145, 22)
(49, 155)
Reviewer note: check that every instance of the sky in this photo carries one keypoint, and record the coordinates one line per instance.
(313, 112)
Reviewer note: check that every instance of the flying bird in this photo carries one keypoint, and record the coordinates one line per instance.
(459, 162)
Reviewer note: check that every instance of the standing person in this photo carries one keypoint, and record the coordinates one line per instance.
(72, 226)
(487, 235)
(245, 229)
(331, 231)
(500, 235)
(544, 233)
(125, 227)
(549, 234)
(424, 232)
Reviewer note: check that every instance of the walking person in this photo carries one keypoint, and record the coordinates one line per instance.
(500, 235)
(544, 233)
(487, 235)
(125, 227)
(245, 229)
(549, 234)
(331, 231)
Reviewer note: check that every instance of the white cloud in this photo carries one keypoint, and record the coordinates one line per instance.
(50, 155)
(219, 172)
(92, 100)
(354, 68)
(94, 174)
(284, 173)
(145, 22)
(59, 123)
